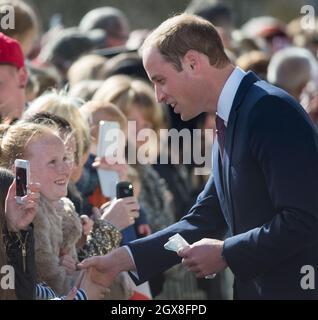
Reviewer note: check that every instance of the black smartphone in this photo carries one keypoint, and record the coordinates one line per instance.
(22, 171)
(124, 189)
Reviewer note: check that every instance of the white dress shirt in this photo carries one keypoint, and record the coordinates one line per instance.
(228, 94)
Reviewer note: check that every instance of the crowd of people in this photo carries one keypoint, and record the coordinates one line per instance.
(56, 87)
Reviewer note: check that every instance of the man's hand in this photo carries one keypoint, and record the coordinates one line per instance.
(104, 269)
(203, 257)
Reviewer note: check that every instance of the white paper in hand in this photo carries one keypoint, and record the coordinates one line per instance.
(177, 242)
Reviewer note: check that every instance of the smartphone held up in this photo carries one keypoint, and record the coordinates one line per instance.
(124, 189)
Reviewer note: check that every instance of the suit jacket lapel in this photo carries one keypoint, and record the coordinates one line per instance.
(247, 81)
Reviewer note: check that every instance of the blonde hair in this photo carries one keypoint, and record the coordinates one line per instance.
(184, 32)
(96, 111)
(124, 92)
(67, 108)
(15, 139)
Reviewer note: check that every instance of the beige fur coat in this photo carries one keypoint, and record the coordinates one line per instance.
(55, 228)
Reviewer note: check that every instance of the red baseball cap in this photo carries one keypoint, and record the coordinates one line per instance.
(10, 51)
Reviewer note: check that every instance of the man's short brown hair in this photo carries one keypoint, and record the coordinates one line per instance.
(184, 32)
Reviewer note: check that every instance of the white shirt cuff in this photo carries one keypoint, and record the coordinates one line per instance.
(133, 260)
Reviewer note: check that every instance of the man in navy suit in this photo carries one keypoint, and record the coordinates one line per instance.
(263, 191)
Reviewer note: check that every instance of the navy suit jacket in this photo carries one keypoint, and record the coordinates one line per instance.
(263, 197)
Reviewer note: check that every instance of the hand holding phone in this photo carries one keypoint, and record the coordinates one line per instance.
(122, 211)
(22, 199)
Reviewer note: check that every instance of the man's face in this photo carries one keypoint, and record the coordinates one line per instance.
(171, 86)
(12, 94)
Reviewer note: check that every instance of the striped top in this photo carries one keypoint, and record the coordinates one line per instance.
(44, 292)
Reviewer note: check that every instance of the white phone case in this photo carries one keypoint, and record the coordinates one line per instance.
(107, 179)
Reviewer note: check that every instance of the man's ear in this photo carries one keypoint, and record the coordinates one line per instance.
(191, 61)
(22, 77)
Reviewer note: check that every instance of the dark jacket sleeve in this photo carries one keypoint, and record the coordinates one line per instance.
(25, 275)
(284, 143)
(204, 219)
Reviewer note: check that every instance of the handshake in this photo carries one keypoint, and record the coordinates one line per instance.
(99, 286)
(110, 271)
(90, 281)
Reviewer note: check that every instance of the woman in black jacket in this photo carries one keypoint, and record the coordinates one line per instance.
(16, 238)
